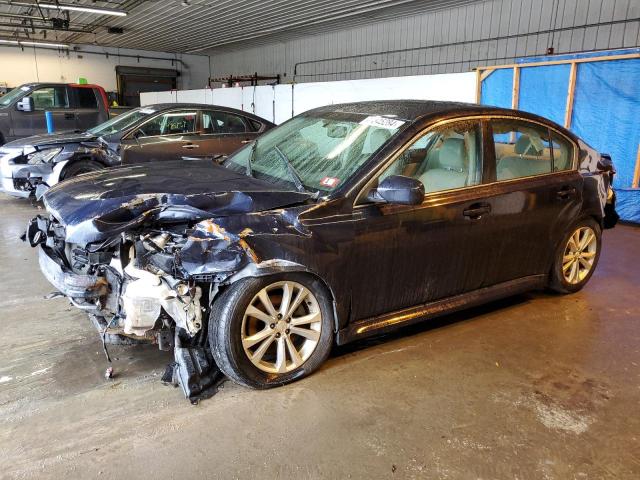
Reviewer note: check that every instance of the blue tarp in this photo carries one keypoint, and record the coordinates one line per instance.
(548, 83)
(606, 110)
(497, 88)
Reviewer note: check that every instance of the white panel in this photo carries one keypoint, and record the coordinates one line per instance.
(455, 87)
(227, 97)
(191, 96)
(283, 103)
(259, 101)
(148, 98)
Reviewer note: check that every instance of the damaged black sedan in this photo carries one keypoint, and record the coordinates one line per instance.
(344, 222)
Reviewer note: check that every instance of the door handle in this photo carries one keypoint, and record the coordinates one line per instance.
(191, 146)
(69, 116)
(477, 210)
(566, 192)
(246, 141)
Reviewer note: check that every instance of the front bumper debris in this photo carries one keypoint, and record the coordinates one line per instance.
(88, 288)
(195, 372)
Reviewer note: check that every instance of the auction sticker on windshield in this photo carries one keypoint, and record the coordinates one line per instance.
(382, 122)
(329, 182)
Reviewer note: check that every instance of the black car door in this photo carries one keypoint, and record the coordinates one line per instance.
(534, 193)
(406, 255)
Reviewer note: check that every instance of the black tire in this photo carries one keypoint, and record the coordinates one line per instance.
(226, 321)
(558, 282)
(79, 167)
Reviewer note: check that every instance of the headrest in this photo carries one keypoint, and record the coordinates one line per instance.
(527, 145)
(451, 155)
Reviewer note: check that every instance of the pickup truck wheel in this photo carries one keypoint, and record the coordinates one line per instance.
(80, 167)
(268, 331)
(577, 257)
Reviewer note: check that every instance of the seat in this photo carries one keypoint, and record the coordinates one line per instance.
(527, 161)
(449, 170)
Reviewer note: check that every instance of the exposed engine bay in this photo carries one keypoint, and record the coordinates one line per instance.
(139, 287)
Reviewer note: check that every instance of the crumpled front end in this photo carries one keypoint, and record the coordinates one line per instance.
(155, 283)
(32, 171)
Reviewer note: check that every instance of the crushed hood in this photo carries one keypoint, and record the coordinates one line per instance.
(97, 206)
(47, 139)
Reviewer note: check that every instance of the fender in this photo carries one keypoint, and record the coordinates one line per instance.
(277, 265)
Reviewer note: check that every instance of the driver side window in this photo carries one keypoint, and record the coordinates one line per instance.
(445, 158)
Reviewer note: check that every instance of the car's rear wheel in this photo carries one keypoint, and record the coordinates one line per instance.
(577, 257)
(268, 331)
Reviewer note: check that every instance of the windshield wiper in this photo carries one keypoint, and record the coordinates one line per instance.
(251, 158)
(292, 171)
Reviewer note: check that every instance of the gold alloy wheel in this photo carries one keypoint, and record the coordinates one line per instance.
(281, 327)
(579, 255)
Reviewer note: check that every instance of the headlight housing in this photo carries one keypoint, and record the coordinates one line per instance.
(43, 156)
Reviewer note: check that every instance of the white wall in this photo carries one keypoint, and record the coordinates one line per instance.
(19, 66)
(278, 103)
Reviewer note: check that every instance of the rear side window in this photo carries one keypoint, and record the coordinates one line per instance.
(86, 98)
(562, 153)
(222, 122)
(255, 125)
(50, 97)
(522, 149)
(171, 123)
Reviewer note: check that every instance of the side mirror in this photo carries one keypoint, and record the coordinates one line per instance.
(25, 105)
(399, 190)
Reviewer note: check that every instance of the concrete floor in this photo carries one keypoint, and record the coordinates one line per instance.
(538, 386)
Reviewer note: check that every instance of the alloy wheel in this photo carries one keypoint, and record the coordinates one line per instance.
(579, 255)
(281, 327)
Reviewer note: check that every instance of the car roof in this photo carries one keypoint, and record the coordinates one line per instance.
(413, 110)
(160, 107)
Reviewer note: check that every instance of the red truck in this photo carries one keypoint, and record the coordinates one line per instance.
(74, 107)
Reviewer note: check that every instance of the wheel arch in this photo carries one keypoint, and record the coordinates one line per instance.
(278, 266)
(80, 158)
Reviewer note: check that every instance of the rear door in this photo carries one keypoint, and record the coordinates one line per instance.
(167, 136)
(86, 107)
(53, 98)
(222, 133)
(534, 194)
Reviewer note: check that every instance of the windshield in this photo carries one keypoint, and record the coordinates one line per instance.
(121, 122)
(321, 151)
(6, 100)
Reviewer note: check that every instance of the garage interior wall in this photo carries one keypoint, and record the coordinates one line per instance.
(96, 64)
(278, 103)
(450, 40)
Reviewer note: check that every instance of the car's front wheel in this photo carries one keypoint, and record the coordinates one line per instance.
(577, 257)
(268, 331)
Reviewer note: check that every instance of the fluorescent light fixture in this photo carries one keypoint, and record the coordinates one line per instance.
(79, 8)
(43, 44)
(30, 43)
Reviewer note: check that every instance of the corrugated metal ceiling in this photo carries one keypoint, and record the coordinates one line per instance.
(198, 26)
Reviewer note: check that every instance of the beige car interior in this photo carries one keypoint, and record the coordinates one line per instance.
(525, 157)
(447, 160)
